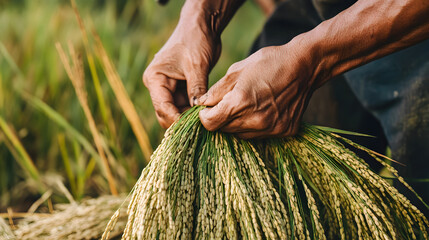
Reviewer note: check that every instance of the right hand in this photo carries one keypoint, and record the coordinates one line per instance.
(178, 74)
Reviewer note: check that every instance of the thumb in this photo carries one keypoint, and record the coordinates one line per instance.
(196, 82)
(218, 91)
(215, 117)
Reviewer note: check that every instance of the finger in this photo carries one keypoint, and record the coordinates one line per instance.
(215, 117)
(218, 90)
(245, 123)
(196, 84)
(166, 113)
(160, 91)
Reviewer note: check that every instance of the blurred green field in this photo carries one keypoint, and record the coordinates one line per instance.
(45, 138)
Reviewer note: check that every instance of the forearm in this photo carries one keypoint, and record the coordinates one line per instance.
(211, 16)
(366, 31)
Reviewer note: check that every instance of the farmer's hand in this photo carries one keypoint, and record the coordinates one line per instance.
(178, 73)
(177, 76)
(263, 95)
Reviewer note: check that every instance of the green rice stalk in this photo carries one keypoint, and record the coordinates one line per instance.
(104, 110)
(76, 74)
(72, 133)
(212, 185)
(67, 164)
(24, 158)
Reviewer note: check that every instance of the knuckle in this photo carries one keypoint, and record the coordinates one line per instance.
(278, 132)
(198, 88)
(234, 67)
(146, 77)
(201, 66)
(261, 121)
(211, 121)
(267, 50)
(240, 95)
(280, 129)
(260, 52)
(210, 128)
(164, 124)
(159, 112)
(294, 130)
(152, 72)
(161, 109)
(289, 132)
(292, 127)
(205, 121)
(240, 100)
(161, 120)
(208, 125)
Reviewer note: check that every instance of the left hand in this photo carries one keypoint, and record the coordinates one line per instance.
(264, 95)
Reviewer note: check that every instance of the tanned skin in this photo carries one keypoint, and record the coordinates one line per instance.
(266, 94)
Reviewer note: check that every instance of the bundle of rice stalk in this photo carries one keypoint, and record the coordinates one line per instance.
(85, 220)
(5, 230)
(212, 185)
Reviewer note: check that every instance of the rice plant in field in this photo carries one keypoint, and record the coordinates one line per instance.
(212, 185)
(45, 128)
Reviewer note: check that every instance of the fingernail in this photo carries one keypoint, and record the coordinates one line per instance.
(202, 99)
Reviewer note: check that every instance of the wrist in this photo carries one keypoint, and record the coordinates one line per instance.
(307, 51)
(193, 33)
(197, 16)
(212, 15)
(366, 31)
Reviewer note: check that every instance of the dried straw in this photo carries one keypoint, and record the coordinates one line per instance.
(5, 231)
(86, 220)
(76, 75)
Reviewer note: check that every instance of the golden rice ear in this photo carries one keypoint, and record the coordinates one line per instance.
(211, 185)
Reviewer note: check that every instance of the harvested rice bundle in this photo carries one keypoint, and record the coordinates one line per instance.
(212, 185)
(86, 220)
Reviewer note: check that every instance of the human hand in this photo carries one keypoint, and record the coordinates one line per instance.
(264, 95)
(178, 74)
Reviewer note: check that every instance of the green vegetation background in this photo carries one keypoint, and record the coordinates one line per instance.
(30, 70)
